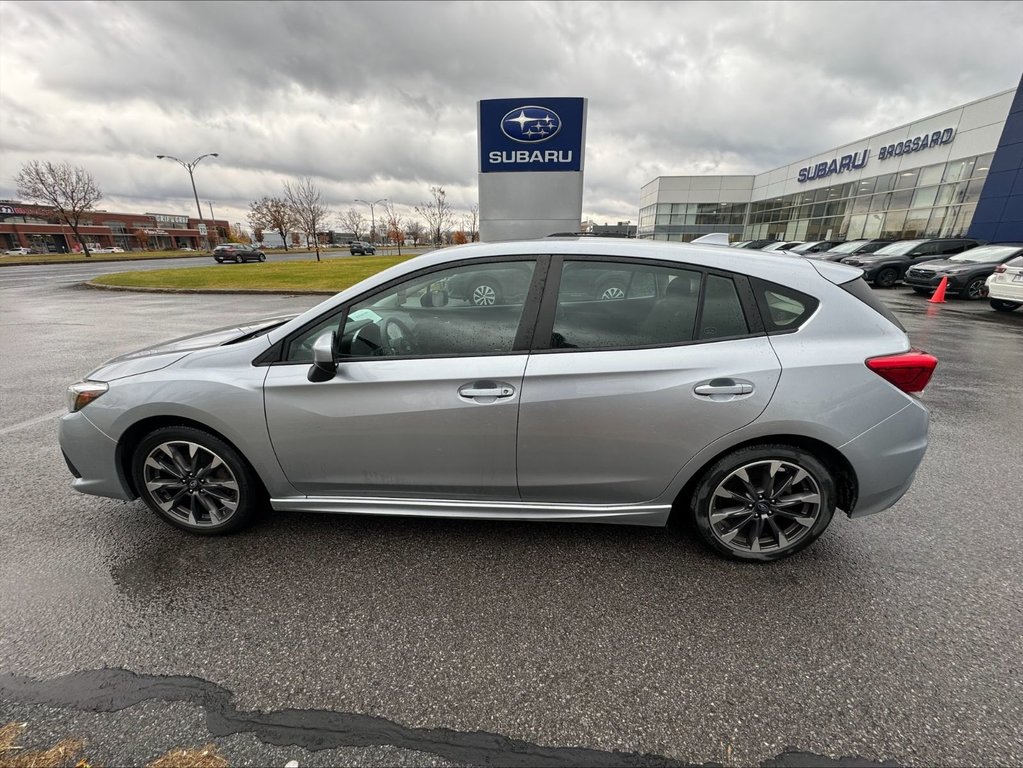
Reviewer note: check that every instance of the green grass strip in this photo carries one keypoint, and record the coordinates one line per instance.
(291, 276)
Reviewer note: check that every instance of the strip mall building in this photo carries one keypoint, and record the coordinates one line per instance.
(40, 229)
(956, 173)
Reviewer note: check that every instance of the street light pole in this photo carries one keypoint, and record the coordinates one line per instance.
(372, 216)
(190, 167)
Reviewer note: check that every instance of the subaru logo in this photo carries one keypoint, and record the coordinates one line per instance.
(530, 125)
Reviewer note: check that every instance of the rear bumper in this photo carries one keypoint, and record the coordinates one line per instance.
(1005, 290)
(92, 458)
(885, 458)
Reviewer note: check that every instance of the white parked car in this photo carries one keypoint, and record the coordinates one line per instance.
(1005, 286)
(18, 252)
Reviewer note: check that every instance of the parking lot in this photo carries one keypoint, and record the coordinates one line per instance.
(345, 640)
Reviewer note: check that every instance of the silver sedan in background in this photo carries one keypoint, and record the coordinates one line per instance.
(747, 395)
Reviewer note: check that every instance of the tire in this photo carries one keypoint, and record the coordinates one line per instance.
(922, 291)
(975, 289)
(485, 293)
(225, 495)
(770, 527)
(238, 259)
(1004, 306)
(262, 257)
(887, 277)
(611, 291)
(218, 260)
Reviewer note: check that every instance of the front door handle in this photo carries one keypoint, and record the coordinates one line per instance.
(724, 387)
(486, 389)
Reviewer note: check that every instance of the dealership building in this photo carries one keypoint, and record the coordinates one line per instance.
(952, 174)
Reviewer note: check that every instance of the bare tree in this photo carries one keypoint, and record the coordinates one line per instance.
(306, 204)
(393, 221)
(352, 221)
(69, 189)
(272, 213)
(472, 223)
(436, 212)
(414, 231)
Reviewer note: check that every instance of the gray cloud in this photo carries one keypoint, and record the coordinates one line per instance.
(378, 99)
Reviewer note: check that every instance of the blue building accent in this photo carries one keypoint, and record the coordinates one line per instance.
(999, 214)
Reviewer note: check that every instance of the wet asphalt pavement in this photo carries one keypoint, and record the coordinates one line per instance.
(894, 640)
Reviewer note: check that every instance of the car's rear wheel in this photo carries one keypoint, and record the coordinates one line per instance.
(886, 277)
(218, 260)
(485, 293)
(975, 289)
(763, 502)
(196, 481)
(1004, 306)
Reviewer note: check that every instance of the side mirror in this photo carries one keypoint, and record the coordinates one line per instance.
(324, 365)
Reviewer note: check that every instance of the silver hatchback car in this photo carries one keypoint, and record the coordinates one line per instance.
(747, 394)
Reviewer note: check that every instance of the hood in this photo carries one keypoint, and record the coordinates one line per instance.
(944, 265)
(161, 355)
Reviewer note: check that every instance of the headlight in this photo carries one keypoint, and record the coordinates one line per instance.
(84, 392)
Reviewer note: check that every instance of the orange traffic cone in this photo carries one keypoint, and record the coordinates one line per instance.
(939, 295)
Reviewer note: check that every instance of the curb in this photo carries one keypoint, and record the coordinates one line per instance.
(97, 260)
(263, 291)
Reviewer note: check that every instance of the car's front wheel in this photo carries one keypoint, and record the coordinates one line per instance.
(196, 481)
(262, 257)
(886, 277)
(763, 502)
(1004, 306)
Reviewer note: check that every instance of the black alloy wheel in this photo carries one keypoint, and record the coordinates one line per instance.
(763, 503)
(975, 289)
(195, 481)
(886, 277)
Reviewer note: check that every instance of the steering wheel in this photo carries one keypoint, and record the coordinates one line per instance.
(395, 336)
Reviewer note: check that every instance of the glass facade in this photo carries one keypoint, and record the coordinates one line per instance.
(934, 201)
(686, 221)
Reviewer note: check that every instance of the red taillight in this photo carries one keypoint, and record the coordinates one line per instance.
(909, 371)
(1000, 268)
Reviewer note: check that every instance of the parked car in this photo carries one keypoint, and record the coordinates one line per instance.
(814, 246)
(1005, 286)
(849, 248)
(887, 265)
(237, 252)
(361, 248)
(781, 245)
(750, 395)
(188, 248)
(18, 251)
(967, 272)
(739, 244)
(759, 244)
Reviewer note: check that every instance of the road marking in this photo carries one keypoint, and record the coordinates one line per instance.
(31, 422)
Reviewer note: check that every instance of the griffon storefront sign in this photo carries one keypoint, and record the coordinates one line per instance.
(531, 153)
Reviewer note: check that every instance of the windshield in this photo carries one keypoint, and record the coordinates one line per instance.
(899, 249)
(849, 247)
(803, 247)
(985, 253)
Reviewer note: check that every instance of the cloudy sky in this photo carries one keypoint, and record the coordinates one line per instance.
(378, 99)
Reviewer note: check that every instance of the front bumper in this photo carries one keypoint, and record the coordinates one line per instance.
(932, 279)
(93, 457)
(886, 456)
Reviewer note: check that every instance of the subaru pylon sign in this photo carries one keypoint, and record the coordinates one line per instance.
(527, 135)
(531, 166)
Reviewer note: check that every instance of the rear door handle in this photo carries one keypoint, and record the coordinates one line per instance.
(724, 387)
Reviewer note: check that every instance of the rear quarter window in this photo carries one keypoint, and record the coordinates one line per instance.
(783, 309)
(863, 292)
